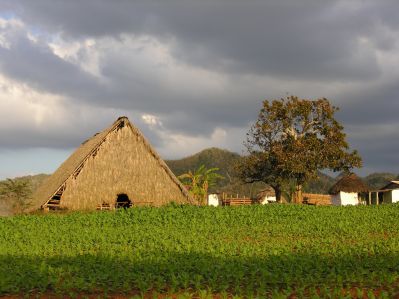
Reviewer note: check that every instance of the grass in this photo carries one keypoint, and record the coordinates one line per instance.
(274, 250)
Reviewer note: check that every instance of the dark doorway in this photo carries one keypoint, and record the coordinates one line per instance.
(123, 201)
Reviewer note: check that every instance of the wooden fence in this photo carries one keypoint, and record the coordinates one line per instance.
(316, 199)
(308, 198)
(235, 200)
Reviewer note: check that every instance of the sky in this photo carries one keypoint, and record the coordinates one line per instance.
(191, 74)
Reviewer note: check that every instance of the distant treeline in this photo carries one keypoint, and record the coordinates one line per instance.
(226, 161)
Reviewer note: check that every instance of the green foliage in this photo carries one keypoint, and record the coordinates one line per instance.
(210, 158)
(200, 181)
(379, 180)
(293, 139)
(269, 251)
(17, 193)
(225, 161)
(34, 180)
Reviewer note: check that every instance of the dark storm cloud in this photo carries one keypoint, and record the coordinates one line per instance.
(309, 39)
(376, 104)
(126, 87)
(286, 43)
(378, 149)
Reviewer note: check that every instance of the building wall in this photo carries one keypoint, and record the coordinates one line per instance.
(349, 199)
(123, 164)
(267, 199)
(345, 199)
(213, 200)
(395, 196)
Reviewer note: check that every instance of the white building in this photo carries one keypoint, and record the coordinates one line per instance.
(213, 200)
(345, 199)
(348, 190)
(390, 193)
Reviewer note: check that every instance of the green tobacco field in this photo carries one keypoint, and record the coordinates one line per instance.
(274, 250)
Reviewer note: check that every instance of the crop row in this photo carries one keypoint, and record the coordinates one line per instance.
(248, 250)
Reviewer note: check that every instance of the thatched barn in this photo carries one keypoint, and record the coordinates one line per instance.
(348, 190)
(115, 168)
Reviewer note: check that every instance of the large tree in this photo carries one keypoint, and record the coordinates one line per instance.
(293, 139)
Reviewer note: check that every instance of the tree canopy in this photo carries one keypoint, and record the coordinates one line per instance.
(292, 139)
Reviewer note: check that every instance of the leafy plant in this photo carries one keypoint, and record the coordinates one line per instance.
(246, 251)
(200, 181)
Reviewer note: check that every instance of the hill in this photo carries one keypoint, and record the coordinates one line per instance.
(211, 157)
(379, 180)
(321, 185)
(225, 161)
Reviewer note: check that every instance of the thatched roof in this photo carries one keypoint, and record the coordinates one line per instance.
(268, 191)
(75, 162)
(351, 184)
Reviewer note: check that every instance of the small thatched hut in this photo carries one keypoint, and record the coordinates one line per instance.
(265, 196)
(114, 168)
(347, 190)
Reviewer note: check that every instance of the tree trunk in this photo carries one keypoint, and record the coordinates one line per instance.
(298, 194)
(277, 190)
(205, 198)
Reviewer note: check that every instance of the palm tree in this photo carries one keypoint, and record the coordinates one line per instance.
(200, 181)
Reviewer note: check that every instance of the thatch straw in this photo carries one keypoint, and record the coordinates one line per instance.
(268, 191)
(116, 160)
(351, 184)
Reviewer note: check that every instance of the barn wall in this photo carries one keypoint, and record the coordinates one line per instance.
(123, 164)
